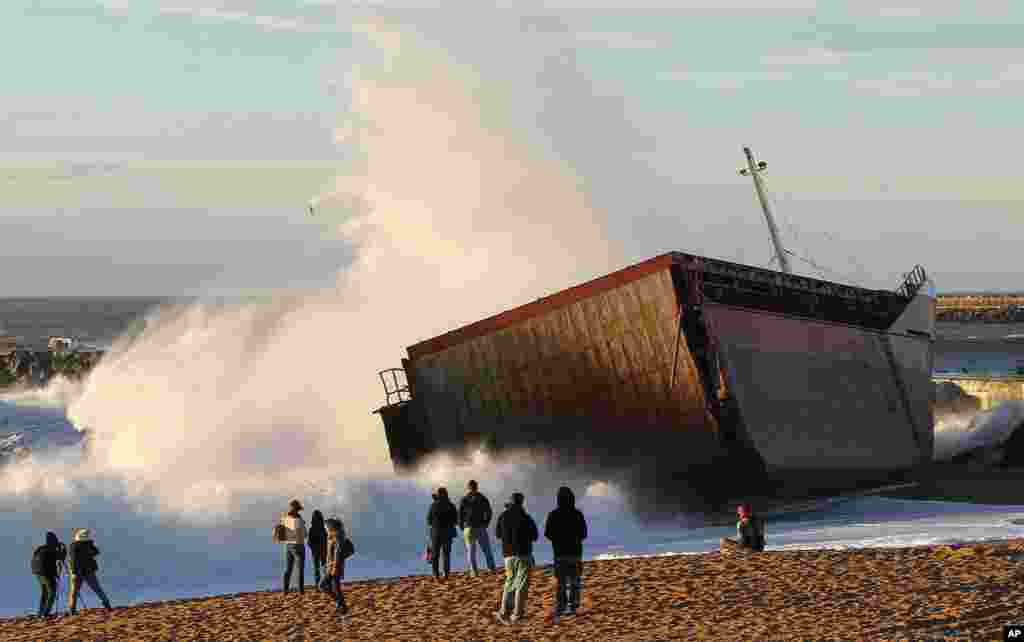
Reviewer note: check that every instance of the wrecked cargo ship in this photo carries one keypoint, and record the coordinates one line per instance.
(685, 372)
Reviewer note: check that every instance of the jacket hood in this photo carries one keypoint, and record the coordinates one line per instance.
(566, 499)
(51, 539)
(317, 521)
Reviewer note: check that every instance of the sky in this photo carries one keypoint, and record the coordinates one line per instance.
(166, 149)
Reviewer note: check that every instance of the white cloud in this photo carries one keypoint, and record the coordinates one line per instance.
(813, 56)
(272, 23)
(617, 40)
(724, 79)
(908, 83)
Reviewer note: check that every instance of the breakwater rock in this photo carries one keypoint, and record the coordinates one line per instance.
(31, 368)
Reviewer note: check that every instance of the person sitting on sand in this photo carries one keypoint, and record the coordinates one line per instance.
(517, 532)
(294, 544)
(749, 531)
(317, 540)
(442, 518)
(474, 518)
(567, 528)
(82, 565)
(335, 562)
(47, 561)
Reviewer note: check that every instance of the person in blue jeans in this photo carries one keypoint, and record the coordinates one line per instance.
(294, 544)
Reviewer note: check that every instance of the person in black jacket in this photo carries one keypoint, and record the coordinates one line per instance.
(749, 532)
(567, 528)
(317, 540)
(474, 518)
(517, 532)
(47, 561)
(441, 518)
(82, 562)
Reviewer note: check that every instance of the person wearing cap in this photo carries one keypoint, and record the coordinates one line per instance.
(749, 531)
(294, 544)
(82, 566)
(517, 532)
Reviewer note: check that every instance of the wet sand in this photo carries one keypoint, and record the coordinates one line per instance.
(967, 592)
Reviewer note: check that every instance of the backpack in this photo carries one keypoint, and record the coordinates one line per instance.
(347, 549)
(280, 534)
(39, 561)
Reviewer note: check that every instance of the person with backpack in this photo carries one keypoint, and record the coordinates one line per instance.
(47, 563)
(339, 548)
(317, 539)
(567, 528)
(749, 531)
(474, 518)
(82, 565)
(442, 518)
(517, 532)
(291, 532)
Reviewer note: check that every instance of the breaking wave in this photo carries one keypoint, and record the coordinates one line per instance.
(958, 433)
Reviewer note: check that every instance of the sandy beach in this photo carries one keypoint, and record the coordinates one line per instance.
(968, 592)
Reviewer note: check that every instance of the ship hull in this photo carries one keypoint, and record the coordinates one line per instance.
(685, 377)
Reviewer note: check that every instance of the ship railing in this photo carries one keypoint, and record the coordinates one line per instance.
(912, 282)
(396, 386)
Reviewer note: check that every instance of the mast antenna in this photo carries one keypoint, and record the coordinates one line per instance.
(754, 170)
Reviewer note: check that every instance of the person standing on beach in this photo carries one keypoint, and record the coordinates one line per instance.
(335, 566)
(294, 544)
(442, 518)
(749, 531)
(47, 561)
(517, 532)
(567, 528)
(474, 518)
(82, 564)
(317, 539)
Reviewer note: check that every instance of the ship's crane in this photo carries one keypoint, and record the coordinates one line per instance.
(754, 170)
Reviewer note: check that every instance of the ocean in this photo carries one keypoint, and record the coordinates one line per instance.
(181, 495)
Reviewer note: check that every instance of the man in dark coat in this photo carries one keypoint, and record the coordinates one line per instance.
(517, 532)
(567, 528)
(82, 562)
(442, 518)
(474, 518)
(47, 561)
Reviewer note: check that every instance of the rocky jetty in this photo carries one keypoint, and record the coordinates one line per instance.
(32, 368)
(967, 592)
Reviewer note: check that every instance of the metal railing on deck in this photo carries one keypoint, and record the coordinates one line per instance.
(396, 386)
(912, 282)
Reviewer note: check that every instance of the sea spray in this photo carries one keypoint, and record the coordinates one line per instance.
(958, 433)
(460, 199)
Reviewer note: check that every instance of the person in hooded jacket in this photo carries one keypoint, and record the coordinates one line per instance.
(317, 540)
(46, 563)
(749, 531)
(474, 518)
(517, 532)
(567, 528)
(442, 518)
(82, 565)
(294, 544)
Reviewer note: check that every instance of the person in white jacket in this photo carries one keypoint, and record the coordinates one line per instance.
(294, 544)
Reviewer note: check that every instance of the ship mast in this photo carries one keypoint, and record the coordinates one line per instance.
(753, 170)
